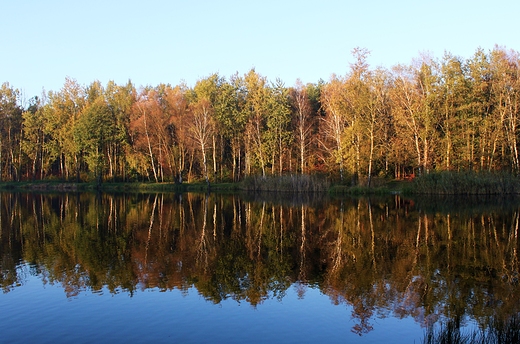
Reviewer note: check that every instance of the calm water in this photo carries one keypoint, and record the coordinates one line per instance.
(90, 268)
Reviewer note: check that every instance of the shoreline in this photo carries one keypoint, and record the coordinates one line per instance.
(442, 183)
(392, 187)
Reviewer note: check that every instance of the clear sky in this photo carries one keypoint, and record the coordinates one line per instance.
(159, 41)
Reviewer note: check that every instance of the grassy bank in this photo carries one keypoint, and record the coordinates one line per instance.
(60, 186)
(442, 183)
(289, 184)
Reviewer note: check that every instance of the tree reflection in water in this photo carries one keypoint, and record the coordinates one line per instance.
(438, 262)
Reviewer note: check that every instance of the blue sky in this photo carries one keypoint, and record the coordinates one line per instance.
(158, 41)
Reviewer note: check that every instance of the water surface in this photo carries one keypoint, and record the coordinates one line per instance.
(198, 268)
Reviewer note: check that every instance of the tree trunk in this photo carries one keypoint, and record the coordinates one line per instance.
(1, 161)
(370, 158)
(205, 162)
(150, 152)
(234, 167)
(302, 154)
(214, 157)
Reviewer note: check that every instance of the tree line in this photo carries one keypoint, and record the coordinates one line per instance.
(451, 114)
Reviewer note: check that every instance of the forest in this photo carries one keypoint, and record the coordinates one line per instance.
(447, 114)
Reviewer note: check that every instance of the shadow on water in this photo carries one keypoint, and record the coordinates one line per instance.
(466, 204)
(289, 199)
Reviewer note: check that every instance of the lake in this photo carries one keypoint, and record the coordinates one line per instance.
(196, 268)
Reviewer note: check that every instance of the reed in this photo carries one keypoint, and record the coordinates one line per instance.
(288, 183)
(497, 331)
(450, 333)
(467, 183)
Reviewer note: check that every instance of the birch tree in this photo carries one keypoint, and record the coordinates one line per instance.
(333, 123)
(303, 122)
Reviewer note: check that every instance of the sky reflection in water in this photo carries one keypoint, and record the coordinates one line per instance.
(41, 313)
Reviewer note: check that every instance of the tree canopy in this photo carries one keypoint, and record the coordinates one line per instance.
(442, 114)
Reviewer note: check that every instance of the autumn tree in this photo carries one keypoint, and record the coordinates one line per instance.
(505, 68)
(346, 106)
(120, 99)
(411, 95)
(333, 124)
(201, 127)
(10, 132)
(177, 108)
(377, 118)
(226, 117)
(34, 139)
(426, 82)
(61, 114)
(456, 133)
(360, 113)
(303, 122)
(149, 131)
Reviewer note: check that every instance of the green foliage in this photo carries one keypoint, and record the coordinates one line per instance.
(92, 132)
